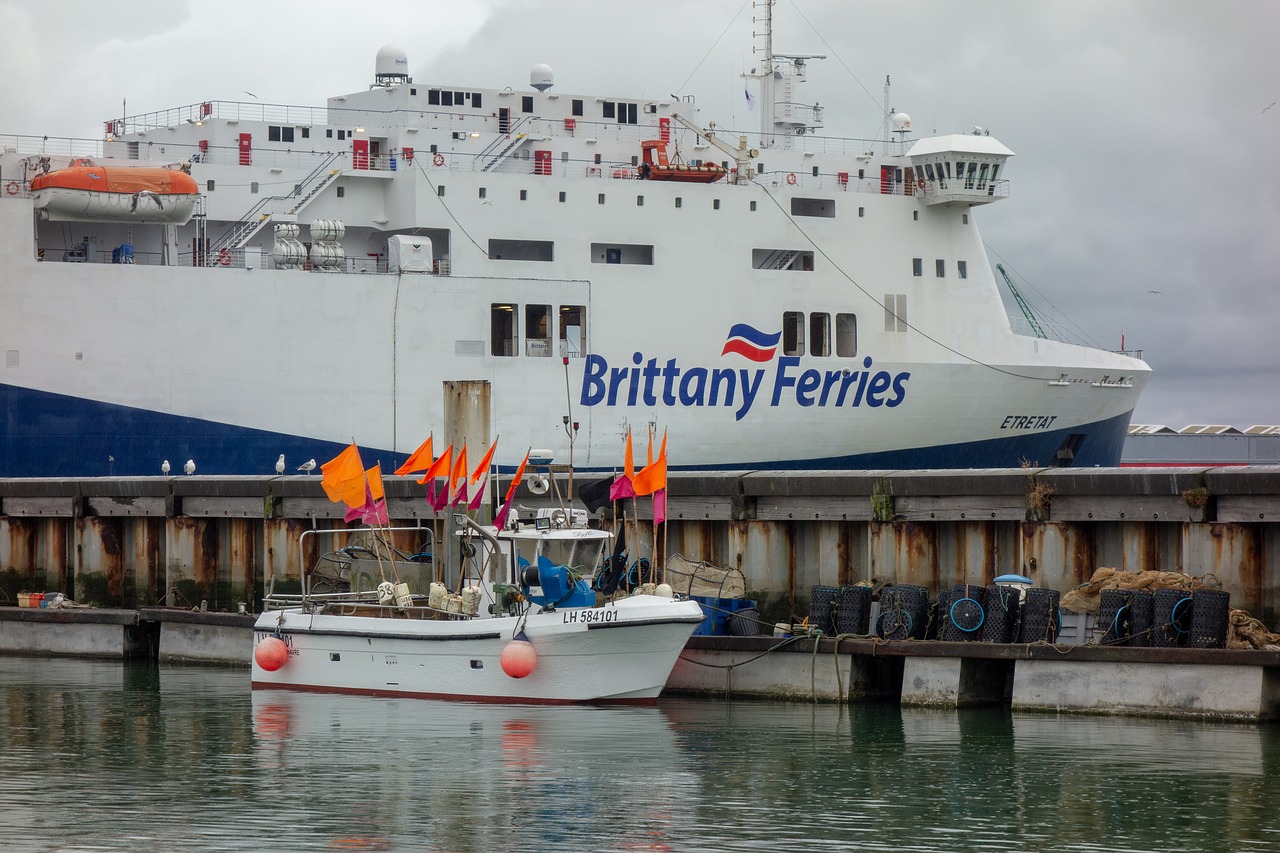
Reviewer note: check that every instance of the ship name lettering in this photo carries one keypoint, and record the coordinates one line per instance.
(1028, 421)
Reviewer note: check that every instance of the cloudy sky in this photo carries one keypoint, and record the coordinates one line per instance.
(1146, 132)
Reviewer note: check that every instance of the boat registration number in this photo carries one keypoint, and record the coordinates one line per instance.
(572, 617)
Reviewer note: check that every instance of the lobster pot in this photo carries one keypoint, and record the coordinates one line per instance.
(822, 601)
(743, 623)
(963, 617)
(1039, 617)
(1141, 610)
(1113, 616)
(853, 610)
(1001, 620)
(1170, 617)
(1209, 611)
(904, 612)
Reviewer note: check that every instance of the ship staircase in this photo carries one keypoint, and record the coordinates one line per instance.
(501, 148)
(780, 259)
(304, 191)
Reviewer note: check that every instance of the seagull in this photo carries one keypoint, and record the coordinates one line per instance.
(1153, 291)
(1269, 106)
(250, 94)
(280, 464)
(306, 467)
(164, 467)
(190, 467)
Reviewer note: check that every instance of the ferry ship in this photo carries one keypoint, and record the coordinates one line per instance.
(227, 282)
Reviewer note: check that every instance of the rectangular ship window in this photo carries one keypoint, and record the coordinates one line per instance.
(825, 207)
(537, 330)
(502, 329)
(820, 334)
(917, 266)
(962, 269)
(846, 335)
(621, 253)
(940, 267)
(522, 250)
(793, 333)
(797, 260)
(573, 331)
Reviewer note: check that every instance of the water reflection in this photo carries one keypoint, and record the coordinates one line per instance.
(104, 757)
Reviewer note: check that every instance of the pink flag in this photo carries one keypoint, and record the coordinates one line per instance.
(621, 488)
(659, 506)
(479, 492)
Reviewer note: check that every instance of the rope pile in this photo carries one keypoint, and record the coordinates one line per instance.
(1087, 597)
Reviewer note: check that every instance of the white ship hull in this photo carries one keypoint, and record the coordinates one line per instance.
(618, 653)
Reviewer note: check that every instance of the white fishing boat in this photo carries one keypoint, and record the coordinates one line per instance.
(523, 624)
(782, 299)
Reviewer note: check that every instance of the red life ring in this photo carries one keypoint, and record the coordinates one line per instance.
(920, 184)
(224, 258)
(791, 178)
(438, 159)
(12, 188)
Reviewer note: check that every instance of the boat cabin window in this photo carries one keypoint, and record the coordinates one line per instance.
(940, 268)
(793, 333)
(962, 269)
(917, 266)
(795, 260)
(521, 250)
(824, 207)
(502, 329)
(820, 334)
(982, 176)
(582, 555)
(970, 176)
(621, 253)
(526, 104)
(846, 335)
(577, 107)
(537, 330)
(573, 331)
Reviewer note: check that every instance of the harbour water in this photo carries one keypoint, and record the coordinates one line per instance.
(100, 756)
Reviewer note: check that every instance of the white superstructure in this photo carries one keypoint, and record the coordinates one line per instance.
(827, 303)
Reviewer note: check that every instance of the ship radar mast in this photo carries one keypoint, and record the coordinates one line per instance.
(782, 117)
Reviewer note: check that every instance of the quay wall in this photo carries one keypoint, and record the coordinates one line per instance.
(221, 541)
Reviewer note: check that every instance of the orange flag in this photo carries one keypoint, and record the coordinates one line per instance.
(483, 467)
(653, 477)
(439, 468)
(420, 460)
(629, 465)
(341, 473)
(459, 472)
(374, 476)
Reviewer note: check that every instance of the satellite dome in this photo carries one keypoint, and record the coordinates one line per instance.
(902, 122)
(391, 65)
(542, 77)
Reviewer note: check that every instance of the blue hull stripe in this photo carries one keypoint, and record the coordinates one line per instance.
(54, 435)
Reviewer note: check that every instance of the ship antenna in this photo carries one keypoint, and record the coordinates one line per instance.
(570, 427)
(888, 112)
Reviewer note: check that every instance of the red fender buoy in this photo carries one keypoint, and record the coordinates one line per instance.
(271, 654)
(519, 658)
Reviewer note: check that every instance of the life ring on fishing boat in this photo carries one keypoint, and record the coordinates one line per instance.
(11, 188)
(791, 178)
(920, 184)
(438, 159)
(224, 258)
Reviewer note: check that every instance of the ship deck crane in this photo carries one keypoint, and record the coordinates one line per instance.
(742, 155)
(1022, 303)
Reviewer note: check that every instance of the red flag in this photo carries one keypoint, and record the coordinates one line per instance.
(653, 477)
(500, 520)
(419, 460)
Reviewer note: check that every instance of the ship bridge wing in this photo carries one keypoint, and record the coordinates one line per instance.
(960, 168)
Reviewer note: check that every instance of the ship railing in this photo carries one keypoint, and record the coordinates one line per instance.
(1053, 331)
(52, 146)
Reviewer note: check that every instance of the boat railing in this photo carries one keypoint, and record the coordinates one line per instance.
(52, 146)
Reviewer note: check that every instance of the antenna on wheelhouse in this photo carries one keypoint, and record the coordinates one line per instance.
(782, 117)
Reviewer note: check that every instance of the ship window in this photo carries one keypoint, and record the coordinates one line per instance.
(862, 211)
(537, 330)
(632, 114)
(522, 250)
(995, 170)
(342, 192)
(502, 329)
(982, 176)
(969, 176)
(959, 170)
(524, 195)
(607, 110)
(962, 269)
(782, 259)
(793, 333)
(433, 96)
(940, 268)
(209, 185)
(286, 134)
(273, 133)
(753, 206)
(526, 104)
(621, 253)
(482, 192)
(915, 216)
(917, 266)
(476, 100)
(820, 334)
(446, 99)
(635, 161)
(328, 133)
(600, 198)
(577, 106)
(413, 91)
(639, 201)
(342, 134)
(564, 156)
(458, 98)
(306, 132)
(846, 335)
(440, 190)
(964, 219)
(563, 195)
(679, 202)
(253, 187)
(815, 171)
(928, 171)
(573, 331)
(715, 204)
(825, 207)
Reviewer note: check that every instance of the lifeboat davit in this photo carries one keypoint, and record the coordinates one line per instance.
(115, 194)
(657, 167)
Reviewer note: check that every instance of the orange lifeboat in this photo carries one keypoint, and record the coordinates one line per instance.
(656, 166)
(115, 194)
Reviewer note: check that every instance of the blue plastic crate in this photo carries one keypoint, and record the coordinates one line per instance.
(718, 611)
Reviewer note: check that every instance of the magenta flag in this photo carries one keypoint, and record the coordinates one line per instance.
(659, 506)
(621, 488)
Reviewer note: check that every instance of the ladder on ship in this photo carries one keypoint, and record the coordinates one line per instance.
(242, 231)
(1022, 303)
(780, 259)
(512, 140)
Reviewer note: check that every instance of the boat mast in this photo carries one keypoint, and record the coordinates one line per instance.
(782, 118)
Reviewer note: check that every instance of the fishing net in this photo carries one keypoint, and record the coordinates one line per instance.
(1087, 598)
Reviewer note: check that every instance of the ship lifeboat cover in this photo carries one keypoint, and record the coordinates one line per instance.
(104, 180)
(116, 194)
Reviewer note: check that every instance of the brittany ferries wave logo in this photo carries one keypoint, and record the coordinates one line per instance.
(645, 382)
